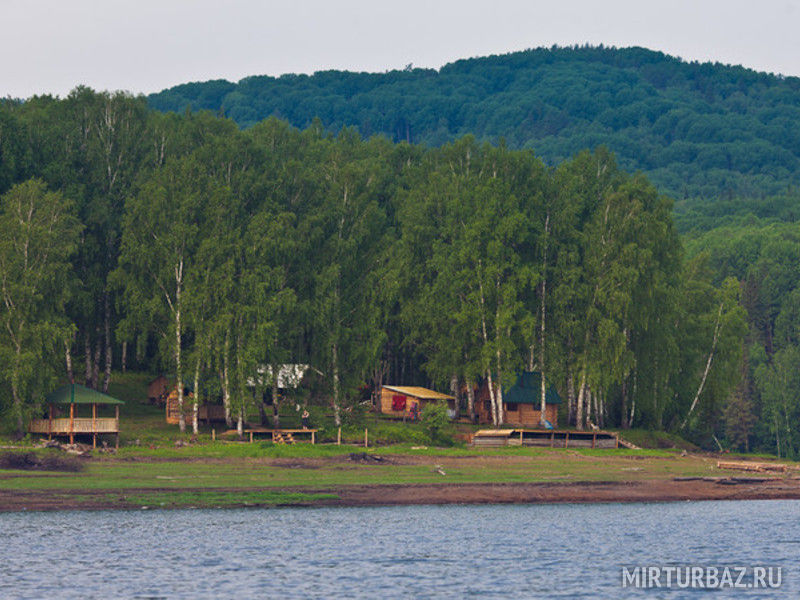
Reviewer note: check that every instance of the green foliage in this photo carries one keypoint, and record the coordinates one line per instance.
(239, 251)
(698, 130)
(436, 422)
(39, 233)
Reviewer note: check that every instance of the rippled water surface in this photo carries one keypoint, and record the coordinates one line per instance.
(507, 551)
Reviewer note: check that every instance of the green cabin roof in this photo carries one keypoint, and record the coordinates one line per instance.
(528, 390)
(75, 393)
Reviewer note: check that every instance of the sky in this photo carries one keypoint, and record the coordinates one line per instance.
(144, 46)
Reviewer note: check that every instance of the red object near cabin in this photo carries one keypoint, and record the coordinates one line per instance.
(398, 402)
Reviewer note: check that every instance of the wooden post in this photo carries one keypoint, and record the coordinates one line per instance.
(251, 437)
(520, 437)
(594, 439)
(339, 437)
(116, 417)
(213, 435)
(71, 423)
(50, 422)
(312, 438)
(552, 438)
(366, 438)
(116, 444)
(94, 426)
(566, 441)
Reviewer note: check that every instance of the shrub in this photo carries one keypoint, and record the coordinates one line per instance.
(437, 424)
(29, 461)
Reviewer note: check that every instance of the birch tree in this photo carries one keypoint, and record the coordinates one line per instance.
(163, 227)
(40, 233)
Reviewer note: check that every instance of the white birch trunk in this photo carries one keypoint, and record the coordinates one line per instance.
(492, 397)
(226, 388)
(471, 400)
(196, 403)
(500, 415)
(543, 404)
(276, 408)
(579, 422)
(68, 359)
(178, 365)
(707, 369)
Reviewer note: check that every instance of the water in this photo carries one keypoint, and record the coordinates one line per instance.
(506, 551)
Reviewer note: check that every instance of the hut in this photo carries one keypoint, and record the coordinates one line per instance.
(173, 407)
(406, 401)
(158, 390)
(79, 398)
(521, 402)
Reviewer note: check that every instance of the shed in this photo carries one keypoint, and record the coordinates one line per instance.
(173, 409)
(158, 390)
(401, 401)
(522, 402)
(79, 398)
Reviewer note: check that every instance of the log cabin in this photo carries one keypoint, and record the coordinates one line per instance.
(521, 402)
(79, 399)
(404, 401)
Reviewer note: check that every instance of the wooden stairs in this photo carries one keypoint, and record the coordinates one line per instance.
(624, 444)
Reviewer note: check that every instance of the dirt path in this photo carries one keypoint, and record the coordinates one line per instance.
(475, 493)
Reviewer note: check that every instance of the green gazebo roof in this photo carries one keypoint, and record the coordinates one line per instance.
(75, 393)
(527, 390)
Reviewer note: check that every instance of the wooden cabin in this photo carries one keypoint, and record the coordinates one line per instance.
(173, 409)
(402, 401)
(521, 402)
(72, 410)
(158, 390)
(208, 413)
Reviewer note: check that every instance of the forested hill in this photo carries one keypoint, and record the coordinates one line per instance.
(697, 130)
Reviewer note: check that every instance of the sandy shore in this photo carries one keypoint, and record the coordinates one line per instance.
(679, 489)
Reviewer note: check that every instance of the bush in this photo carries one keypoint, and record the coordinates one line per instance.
(30, 461)
(437, 424)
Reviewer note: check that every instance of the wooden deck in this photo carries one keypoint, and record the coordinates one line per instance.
(282, 436)
(72, 426)
(552, 438)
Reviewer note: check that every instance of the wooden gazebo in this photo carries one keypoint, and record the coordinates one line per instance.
(75, 395)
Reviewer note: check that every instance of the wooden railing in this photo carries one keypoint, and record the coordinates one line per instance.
(79, 425)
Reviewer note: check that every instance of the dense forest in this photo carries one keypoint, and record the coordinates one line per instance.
(697, 130)
(161, 241)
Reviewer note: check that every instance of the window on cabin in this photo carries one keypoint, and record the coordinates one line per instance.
(511, 406)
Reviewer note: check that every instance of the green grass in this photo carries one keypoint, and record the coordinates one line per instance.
(524, 465)
(644, 438)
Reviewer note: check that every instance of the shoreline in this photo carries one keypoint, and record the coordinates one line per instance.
(580, 492)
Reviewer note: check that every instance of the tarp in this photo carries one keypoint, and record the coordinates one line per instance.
(76, 393)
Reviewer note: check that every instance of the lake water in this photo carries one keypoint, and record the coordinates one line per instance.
(506, 551)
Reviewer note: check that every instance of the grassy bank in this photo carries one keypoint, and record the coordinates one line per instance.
(217, 466)
(157, 466)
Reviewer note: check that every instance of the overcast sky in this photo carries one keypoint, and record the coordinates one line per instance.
(142, 46)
